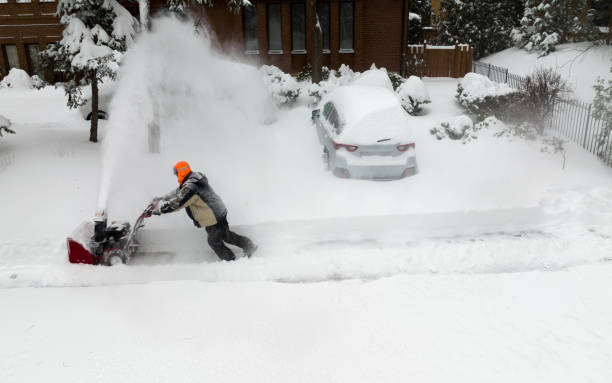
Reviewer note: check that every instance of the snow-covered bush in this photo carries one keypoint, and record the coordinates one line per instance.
(5, 125)
(282, 86)
(483, 97)
(396, 79)
(38, 83)
(554, 145)
(17, 79)
(305, 73)
(413, 94)
(460, 128)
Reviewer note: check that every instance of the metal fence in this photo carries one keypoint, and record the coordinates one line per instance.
(572, 118)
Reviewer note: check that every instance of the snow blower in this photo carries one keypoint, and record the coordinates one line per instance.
(96, 243)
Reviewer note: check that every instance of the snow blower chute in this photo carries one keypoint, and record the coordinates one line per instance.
(96, 243)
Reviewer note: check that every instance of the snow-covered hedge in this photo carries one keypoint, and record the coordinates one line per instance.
(19, 79)
(282, 86)
(483, 97)
(5, 125)
(413, 94)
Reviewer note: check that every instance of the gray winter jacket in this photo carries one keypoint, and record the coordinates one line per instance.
(200, 201)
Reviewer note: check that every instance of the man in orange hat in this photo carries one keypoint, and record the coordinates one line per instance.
(206, 209)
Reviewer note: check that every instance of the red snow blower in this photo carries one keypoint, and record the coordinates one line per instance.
(96, 243)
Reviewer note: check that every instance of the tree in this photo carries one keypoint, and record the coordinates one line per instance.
(316, 41)
(486, 24)
(547, 23)
(96, 33)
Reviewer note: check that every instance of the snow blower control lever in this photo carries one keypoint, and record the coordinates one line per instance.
(103, 244)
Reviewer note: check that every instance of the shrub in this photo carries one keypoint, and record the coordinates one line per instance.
(542, 87)
(396, 79)
(461, 128)
(413, 94)
(305, 74)
(483, 98)
(282, 87)
(5, 125)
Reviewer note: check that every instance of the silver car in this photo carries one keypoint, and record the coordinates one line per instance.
(365, 134)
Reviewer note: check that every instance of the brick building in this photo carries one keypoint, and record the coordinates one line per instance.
(355, 32)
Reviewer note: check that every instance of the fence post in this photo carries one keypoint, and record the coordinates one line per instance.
(489, 73)
(586, 130)
(506, 75)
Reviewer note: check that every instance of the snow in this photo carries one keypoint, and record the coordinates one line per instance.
(413, 92)
(459, 125)
(580, 63)
(413, 16)
(491, 262)
(374, 77)
(476, 87)
(16, 79)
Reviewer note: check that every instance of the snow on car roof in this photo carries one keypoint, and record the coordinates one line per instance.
(370, 114)
(354, 103)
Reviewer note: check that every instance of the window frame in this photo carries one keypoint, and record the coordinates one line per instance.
(33, 71)
(244, 30)
(274, 51)
(352, 49)
(303, 6)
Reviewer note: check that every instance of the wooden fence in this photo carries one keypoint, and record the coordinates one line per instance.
(439, 61)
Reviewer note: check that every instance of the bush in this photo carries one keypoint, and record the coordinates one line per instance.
(461, 128)
(396, 79)
(413, 94)
(542, 87)
(282, 87)
(305, 74)
(483, 98)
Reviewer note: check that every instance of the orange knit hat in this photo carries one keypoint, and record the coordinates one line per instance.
(181, 170)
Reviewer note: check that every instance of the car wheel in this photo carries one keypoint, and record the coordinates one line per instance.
(326, 159)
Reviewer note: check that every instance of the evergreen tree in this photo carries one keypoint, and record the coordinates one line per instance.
(602, 109)
(547, 23)
(485, 24)
(95, 34)
(423, 9)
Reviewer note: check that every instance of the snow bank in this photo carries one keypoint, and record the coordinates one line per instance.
(4, 122)
(282, 86)
(17, 79)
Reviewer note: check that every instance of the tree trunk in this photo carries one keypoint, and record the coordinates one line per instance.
(316, 40)
(143, 11)
(93, 132)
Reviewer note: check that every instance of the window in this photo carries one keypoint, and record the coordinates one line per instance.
(11, 56)
(323, 15)
(251, 35)
(275, 41)
(34, 60)
(327, 109)
(298, 28)
(347, 19)
(46, 1)
(24, 1)
(331, 115)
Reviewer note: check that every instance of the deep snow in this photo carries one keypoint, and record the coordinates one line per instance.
(492, 263)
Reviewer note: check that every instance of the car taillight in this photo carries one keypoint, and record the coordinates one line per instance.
(350, 148)
(403, 148)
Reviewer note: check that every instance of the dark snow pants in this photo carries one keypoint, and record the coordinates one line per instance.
(219, 233)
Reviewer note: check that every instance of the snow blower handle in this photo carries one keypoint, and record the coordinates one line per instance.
(151, 208)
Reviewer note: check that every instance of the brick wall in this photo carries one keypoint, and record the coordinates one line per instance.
(27, 23)
(377, 32)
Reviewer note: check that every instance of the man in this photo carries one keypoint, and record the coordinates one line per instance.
(206, 209)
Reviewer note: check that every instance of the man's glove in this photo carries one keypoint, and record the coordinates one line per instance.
(156, 211)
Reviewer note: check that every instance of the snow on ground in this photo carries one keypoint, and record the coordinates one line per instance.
(580, 63)
(491, 263)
